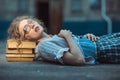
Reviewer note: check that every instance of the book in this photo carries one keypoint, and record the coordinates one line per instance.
(11, 43)
(16, 52)
(21, 55)
(29, 51)
(14, 59)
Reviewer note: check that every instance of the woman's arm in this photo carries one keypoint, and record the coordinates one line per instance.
(75, 56)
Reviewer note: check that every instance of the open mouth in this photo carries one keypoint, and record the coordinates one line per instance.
(37, 28)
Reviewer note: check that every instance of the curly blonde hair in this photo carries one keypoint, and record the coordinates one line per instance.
(13, 30)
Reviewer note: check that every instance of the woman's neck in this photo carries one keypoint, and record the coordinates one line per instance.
(43, 37)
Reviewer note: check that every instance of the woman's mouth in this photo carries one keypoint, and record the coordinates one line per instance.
(37, 28)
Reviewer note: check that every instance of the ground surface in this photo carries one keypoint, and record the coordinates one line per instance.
(50, 71)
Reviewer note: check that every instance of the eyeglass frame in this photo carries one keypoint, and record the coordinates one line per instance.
(25, 28)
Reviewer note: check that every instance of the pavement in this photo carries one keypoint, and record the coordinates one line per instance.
(41, 70)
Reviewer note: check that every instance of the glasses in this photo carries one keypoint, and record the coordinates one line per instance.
(27, 28)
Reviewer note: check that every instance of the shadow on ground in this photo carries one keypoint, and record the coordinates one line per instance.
(49, 71)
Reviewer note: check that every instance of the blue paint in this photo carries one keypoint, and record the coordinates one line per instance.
(95, 27)
(3, 29)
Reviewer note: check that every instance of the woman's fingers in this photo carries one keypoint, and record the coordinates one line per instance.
(92, 37)
(65, 33)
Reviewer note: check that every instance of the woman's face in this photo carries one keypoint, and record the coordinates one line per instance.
(30, 29)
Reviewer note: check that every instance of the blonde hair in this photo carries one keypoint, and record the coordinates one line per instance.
(13, 30)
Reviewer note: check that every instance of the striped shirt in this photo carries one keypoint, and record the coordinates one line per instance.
(53, 49)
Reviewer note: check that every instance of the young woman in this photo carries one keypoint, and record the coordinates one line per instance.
(65, 47)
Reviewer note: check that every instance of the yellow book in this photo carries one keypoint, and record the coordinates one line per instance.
(9, 59)
(19, 51)
(21, 55)
(24, 44)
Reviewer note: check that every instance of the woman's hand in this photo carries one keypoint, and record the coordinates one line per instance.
(74, 56)
(65, 33)
(91, 37)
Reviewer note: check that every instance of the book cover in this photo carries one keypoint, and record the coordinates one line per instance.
(12, 59)
(20, 51)
(24, 44)
(21, 55)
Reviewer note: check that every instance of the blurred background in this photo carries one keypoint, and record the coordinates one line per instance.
(80, 16)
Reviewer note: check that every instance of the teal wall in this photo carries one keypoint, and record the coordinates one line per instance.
(78, 28)
(3, 29)
(96, 27)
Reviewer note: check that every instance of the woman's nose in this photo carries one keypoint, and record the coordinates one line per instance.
(32, 26)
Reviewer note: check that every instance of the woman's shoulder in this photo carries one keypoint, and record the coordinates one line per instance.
(53, 41)
(51, 38)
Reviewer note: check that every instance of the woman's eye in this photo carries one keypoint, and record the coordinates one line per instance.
(28, 29)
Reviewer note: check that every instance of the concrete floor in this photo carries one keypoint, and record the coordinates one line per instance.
(50, 71)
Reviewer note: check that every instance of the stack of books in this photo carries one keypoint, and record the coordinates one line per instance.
(20, 52)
